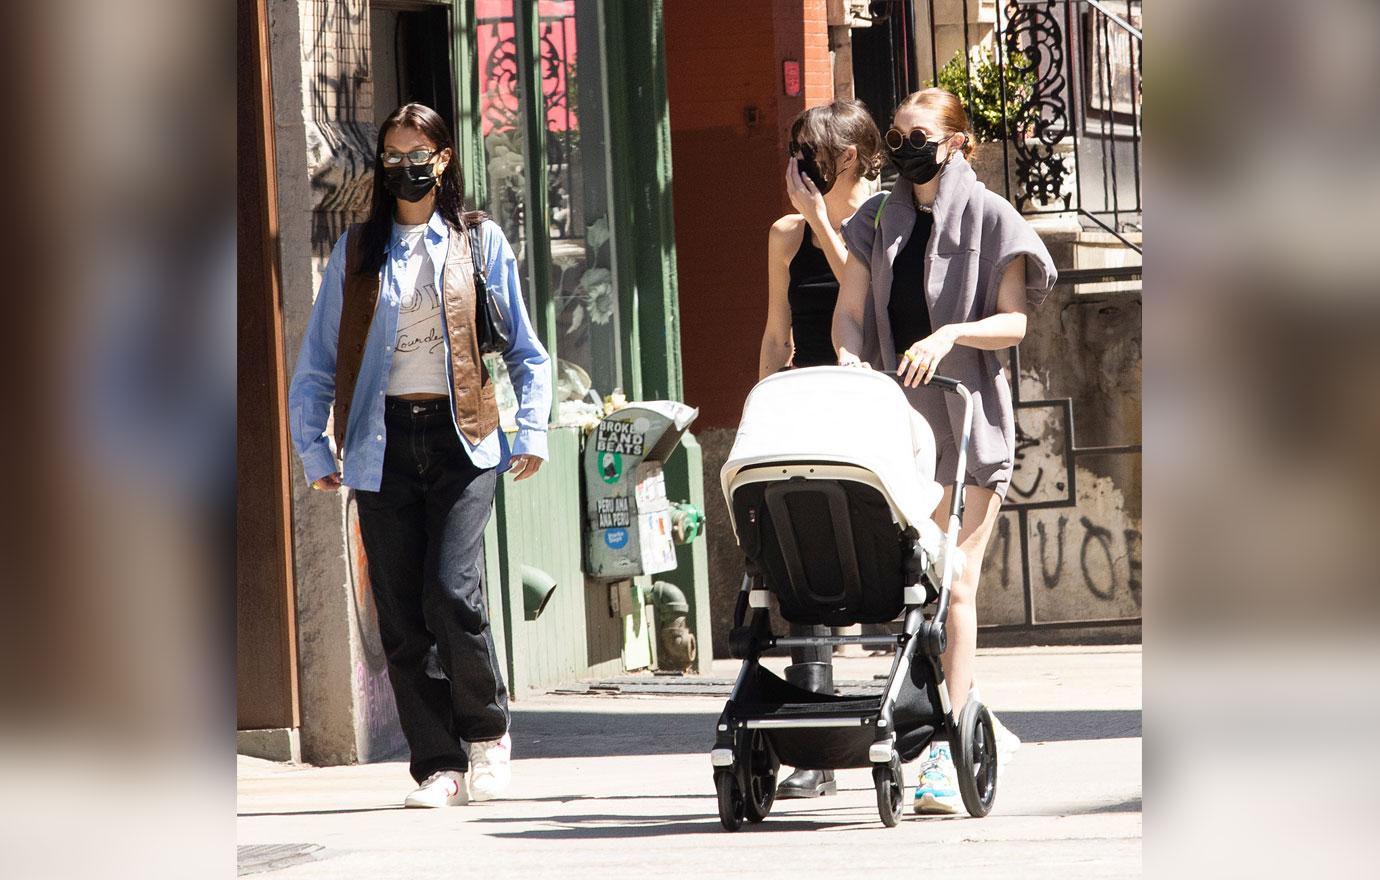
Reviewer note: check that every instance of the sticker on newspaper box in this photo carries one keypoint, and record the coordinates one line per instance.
(623, 438)
(610, 467)
(615, 512)
(617, 539)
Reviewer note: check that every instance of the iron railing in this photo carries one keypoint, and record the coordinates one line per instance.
(1068, 103)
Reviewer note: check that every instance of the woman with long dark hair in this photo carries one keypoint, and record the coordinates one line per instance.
(391, 353)
(835, 150)
(940, 275)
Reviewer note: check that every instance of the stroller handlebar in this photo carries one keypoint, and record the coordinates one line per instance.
(953, 386)
(950, 385)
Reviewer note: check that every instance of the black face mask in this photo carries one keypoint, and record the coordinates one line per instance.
(410, 183)
(805, 161)
(917, 164)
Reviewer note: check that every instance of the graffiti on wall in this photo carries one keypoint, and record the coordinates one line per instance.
(1082, 562)
(338, 106)
(1067, 546)
(1040, 470)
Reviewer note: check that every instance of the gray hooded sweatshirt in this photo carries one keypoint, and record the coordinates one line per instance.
(976, 234)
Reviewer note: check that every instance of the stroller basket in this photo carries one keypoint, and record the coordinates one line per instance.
(791, 719)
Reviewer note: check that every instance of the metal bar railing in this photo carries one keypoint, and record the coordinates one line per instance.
(1077, 95)
(1135, 114)
(1002, 57)
(934, 46)
(968, 56)
(1105, 226)
(1110, 115)
(1114, 18)
(1084, 57)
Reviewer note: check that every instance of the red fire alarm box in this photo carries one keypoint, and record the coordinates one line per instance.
(790, 76)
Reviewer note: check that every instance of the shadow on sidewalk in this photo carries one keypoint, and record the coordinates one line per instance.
(1068, 726)
(1131, 805)
(596, 826)
(556, 734)
(381, 809)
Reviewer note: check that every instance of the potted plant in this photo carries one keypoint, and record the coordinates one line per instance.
(993, 121)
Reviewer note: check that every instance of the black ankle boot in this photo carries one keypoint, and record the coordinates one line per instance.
(817, 678)
(807, 784)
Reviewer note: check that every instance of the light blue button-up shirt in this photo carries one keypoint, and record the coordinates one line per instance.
(313, 382)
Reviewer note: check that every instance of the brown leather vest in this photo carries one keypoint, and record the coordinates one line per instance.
(473, 391)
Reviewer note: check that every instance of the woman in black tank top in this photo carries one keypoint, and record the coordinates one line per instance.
(835, 149)
(812, 293)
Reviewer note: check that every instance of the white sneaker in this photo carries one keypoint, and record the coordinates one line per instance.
(1007, 742)
(490, 770)
(444, 788)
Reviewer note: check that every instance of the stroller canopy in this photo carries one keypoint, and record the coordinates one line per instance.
(840, 415)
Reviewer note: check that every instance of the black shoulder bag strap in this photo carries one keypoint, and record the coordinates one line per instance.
(489, 326)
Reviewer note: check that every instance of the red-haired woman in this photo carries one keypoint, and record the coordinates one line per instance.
(945, 269)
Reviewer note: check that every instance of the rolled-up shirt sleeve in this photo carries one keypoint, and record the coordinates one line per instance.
(860, 230)
(529, 366)
(1016, 238)
(313, 381)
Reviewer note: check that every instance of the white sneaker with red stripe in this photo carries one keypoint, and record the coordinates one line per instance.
(444, 788)
(490, 770)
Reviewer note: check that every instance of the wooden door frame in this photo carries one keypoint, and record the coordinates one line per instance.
(266, 637)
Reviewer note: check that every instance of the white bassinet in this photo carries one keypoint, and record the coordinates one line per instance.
(854, 419)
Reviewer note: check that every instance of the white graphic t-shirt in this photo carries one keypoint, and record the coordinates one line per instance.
(419, 350)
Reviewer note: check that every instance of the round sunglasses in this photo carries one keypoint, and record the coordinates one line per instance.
(917, 137)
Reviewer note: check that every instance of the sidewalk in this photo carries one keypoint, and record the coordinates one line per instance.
(611, 787)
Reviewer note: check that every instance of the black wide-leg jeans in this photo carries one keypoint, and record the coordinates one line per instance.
(423, 534)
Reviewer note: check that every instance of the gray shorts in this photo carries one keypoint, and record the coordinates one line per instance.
(932, 405)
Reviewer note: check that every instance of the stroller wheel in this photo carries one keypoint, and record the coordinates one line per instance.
(732, 805)
(891, 791)
(761, 767)
(975, 759)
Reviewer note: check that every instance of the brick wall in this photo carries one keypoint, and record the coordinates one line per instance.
(819, 71)
(724, 59)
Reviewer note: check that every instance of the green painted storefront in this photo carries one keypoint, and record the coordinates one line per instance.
(625, 141)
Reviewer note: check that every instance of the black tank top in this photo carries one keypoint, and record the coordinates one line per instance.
(908, 310)
(813, 293)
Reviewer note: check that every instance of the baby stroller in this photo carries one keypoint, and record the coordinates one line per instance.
(830, 489)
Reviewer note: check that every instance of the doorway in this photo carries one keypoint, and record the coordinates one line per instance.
(410, 48)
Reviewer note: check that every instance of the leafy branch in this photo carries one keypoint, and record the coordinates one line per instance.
(984, 104)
